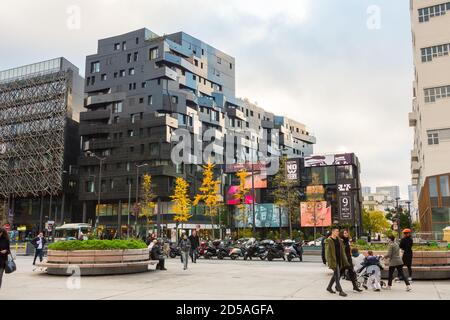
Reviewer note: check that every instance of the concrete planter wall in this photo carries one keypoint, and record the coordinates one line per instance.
(427, 265)
(97, 262)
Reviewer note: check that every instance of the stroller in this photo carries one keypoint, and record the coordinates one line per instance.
(363, 275)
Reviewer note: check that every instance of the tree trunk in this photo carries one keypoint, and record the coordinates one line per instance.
(212, 225)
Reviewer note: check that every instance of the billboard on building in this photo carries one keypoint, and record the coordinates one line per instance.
(267, 215)
(293, 170)
(259, 180)
(231, 200)
(235, 167)
(315, 213)
(345, 200)
(329, 160)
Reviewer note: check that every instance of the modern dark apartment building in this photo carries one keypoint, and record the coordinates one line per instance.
(39, 143)
(141, 89)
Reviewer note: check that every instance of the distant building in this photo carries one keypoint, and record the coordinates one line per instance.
(366, 190)
(39, 109)
(392, 191)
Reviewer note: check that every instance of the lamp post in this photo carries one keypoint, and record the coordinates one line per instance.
(137, 193)
(89, 153)
(409, 213)
(398, 215)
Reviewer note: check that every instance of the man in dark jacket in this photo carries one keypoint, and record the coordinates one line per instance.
(156, 254)
(336, 260)
(185, 247)
(406, 245)
(195, 243)
(39, 244)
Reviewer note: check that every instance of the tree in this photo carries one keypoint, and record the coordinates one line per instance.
(182, 201)
(240, 195)
(375, 221)
(285, 194)
(209, 193)
(147, 208)
(402, 215)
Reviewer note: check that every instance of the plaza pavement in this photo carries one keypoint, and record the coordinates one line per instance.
(208, 279)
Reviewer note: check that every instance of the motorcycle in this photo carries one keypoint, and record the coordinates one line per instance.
(236, 252)
(212, 249)
(201, 250)
(223, 251)
(276, 251)
(293, 250)
(255, 250)
(174, 251)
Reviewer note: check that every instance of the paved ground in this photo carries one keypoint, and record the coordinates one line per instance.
(205, 280)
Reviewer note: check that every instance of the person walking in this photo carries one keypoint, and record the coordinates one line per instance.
(345, 236)
(4, 251)
(39, 244)
(395, 263)
(185, 247)
(156, 254)
(195, 243)
(336, 260)
(406, 245)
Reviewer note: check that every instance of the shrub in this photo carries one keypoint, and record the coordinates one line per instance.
(97, 245)
(361, 242)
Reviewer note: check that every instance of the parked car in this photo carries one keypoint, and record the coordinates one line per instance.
(316, 243)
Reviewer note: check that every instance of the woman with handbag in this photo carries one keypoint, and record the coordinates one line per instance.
(4, 251)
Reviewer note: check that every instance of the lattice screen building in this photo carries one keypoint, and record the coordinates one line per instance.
(39, 113)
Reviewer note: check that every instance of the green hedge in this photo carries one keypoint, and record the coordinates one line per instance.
(97, 245)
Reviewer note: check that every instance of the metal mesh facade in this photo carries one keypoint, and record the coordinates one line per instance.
(33, 115)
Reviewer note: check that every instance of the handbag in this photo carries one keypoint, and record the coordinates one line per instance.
(10, 266)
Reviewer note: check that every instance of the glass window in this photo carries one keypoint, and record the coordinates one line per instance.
(154, 53)
(154, 149)
(433, 138)
(432, 183)
(443, 181)
(117, 107)
(344, 172)
(131, 71)
(117, 46)
(95, 66)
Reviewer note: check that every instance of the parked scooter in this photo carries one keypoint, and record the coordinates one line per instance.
(236, 252)
(254, 249)
(174, 250)
(293, 250)
(212, 249)
(276, 251)
(223, 251)
(201, 250)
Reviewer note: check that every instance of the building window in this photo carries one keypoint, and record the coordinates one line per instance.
(103, 77)
(130, 133)
(141, 100)
(433, 138)
(129, 58)
(133, 118)
(131, 71)
(174, 99)
(117, 46)
(434, 11)
(116, 120)
(124, 45)
(443, 181)
(433, 187)
(434, 52)
(196, 62)
(433, 94)
(116, 74)
(154, 53)
(137, 40)
(95, 66)
(122, 73)
(150, 100)
(219, 60)
(144, 84)
(117, 107)
(154, 149)
(135, 56)
(128, 166)
(90, 186)
(231, 66)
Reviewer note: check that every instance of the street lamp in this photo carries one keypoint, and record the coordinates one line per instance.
(91, 154)
(409, 213)
(398, 215)
(137, 193)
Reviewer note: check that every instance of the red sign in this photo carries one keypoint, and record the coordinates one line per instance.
(315, 213)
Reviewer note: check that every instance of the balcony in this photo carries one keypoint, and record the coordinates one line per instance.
(236, 113)
(164, 73)
(95, 115)
(414, 155)
(415, 168)
(105, 98)
(412, 119)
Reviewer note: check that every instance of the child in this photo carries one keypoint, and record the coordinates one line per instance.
(373, 265)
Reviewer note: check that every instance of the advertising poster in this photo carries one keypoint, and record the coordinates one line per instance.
(292, 170)
(260, 181)
(316, 213)
(267, 215)
(345, 199)
(232, 201)
(319, 161)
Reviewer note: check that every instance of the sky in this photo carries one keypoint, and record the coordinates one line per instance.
(344, 68)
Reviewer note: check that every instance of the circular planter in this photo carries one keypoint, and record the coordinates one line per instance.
(97, 262)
